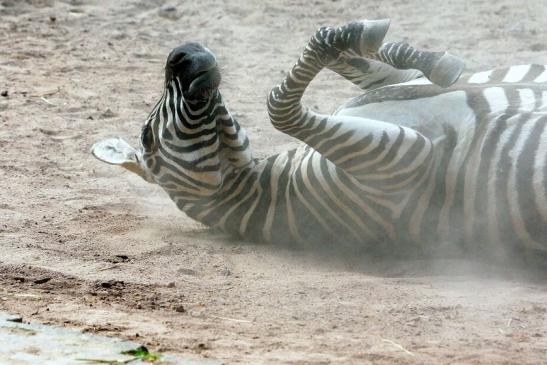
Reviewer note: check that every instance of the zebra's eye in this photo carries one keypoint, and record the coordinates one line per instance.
(147, 138)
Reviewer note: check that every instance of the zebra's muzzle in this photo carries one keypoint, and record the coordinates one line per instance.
(195, 69)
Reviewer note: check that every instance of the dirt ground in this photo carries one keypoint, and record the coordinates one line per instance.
(90, 246)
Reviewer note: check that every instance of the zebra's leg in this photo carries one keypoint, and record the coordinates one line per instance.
(392, 63)
(368, 74)
(365, 72)
(363, 147)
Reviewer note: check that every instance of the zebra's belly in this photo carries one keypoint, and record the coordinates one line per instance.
(489, 190)
(489, 185)
(428, 115)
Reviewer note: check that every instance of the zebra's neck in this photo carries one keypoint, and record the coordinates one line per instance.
(220, 147)
(235, 150)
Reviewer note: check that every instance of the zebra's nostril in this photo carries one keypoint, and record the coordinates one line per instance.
(199, 74)
(176, 59)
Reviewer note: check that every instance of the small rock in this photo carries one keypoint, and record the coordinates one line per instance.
(225, 272)
(171, 284)
(202, 346)
(4, 93)
(17, 319)
(48, 132)
(112, 283)
(42, 280)
(108, 114)
(538, 47)
(516, 28)
(169, 12)
(180, 309)
(119, 258)
(119, 36)
(185, 271)
(52, 18)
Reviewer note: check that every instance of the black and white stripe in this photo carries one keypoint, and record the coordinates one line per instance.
(408, 165)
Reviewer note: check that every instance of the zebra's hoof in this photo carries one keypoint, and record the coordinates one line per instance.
(373, 35)
(446, 70)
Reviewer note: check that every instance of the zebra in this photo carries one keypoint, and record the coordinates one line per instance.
(423, 162)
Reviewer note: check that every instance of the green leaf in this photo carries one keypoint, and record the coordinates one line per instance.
(143, 354)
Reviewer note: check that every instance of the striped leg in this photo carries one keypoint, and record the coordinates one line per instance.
(366, 148)
(392, 63)
(440, 68)
(368, 74)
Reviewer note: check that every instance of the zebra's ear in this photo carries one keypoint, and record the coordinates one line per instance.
(116, 151)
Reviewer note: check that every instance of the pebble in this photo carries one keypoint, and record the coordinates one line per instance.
(17, 319)
(4, 93)
(180, 309)
(185, 271)
(108, 113)
(42, 280)
(516, 28)
(171, 284)
(169, 12)
(538, 47)
(119, 258)
(111, 284)
(202, 346)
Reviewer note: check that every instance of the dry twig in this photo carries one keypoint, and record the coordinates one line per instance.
(232, 319)
(400, 347)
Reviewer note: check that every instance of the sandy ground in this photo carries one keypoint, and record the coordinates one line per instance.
(91, 246)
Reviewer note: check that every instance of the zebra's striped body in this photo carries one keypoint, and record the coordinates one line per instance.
(408, 166)
(488, 183)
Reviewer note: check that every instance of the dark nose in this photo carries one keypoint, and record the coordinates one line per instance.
(188, 61)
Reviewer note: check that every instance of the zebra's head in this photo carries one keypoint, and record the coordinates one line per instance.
(193, 68)
(185, 142)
